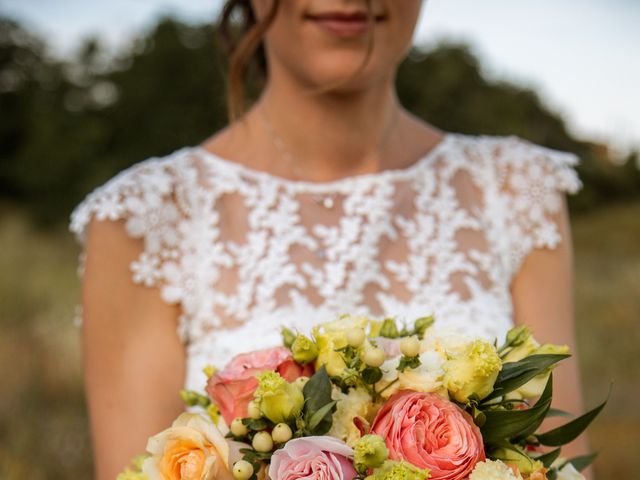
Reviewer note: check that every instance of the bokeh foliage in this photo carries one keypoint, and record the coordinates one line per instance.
(78, 122)
(67, 126)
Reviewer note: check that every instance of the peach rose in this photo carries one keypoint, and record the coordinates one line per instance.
(232, 388)
(191, 449)
(430, 432)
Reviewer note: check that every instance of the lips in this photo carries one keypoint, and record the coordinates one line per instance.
(344, 24)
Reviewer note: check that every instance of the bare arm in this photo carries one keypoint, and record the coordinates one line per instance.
(543, 299)
(133, 359)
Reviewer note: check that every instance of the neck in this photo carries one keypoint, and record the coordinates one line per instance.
(330, 135)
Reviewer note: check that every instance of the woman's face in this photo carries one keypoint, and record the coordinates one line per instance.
(325, 41)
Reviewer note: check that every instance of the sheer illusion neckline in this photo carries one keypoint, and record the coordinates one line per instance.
(388, 174)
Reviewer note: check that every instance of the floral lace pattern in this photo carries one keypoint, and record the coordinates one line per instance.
(244, 252)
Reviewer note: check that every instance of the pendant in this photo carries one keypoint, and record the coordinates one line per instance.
(327, 202)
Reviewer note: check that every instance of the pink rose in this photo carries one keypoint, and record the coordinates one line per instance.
(313, 458)
(430, 432)
(232, 388)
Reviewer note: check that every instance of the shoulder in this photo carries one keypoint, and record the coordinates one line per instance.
(519, 163)
(137, 194)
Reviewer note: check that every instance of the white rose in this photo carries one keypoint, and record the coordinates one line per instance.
(493, 470)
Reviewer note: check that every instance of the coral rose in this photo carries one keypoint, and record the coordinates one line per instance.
(430, 432)
(313, 458)
(232, 388)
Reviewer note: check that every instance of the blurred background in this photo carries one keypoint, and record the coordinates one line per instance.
(87, 89)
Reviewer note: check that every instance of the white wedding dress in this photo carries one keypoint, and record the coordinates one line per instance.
(244, 252)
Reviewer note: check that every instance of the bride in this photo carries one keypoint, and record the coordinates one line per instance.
(325, 196)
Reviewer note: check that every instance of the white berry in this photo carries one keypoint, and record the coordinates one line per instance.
(253, 410)
(374, 357)
(238, 428)
(410, 346)
(242, 470)
(300, 382)
(262, 442)
(281, 433)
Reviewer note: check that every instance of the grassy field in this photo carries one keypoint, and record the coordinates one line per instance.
(43, 429)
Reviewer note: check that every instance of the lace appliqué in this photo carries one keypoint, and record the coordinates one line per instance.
(239, 249)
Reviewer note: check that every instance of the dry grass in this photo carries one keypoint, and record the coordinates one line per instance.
(43, 430)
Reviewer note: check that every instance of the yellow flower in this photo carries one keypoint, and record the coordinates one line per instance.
(191, 449)
(278, 399)
(357, 403)
(370, 452)
(392, 470)
(304, 350)
(473, 372)
(331, 336)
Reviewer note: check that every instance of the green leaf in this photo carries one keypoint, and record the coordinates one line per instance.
(548, 458)
(515, 374)
(371, 375)
(317, 417)
(583, 461)
(257, 424)
(501, 425)
(317, 394)
(555, 412)
(569, 431)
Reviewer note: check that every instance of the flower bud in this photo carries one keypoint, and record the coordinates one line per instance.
(277, 399)
(518, 335)
(370, 452)
(374, 357)
(192, 399)
(253, 410)
(422, 324)
(389, 328)
(304, 350)
(209, 371)
(238, 428)
(262, 442)
(281, 433)
(355, 337)
(287, 337)
(242, 470)
(410, 346)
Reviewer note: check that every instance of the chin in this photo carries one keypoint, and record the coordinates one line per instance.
(339, 66)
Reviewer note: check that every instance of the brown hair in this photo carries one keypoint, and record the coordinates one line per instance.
(245, 51)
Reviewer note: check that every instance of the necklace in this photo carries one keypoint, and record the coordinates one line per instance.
(327, 200)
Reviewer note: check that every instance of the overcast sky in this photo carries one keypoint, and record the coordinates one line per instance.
(581, 55)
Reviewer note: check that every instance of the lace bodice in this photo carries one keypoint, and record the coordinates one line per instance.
(244, 252)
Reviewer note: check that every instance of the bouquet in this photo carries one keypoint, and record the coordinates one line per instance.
(371, 399)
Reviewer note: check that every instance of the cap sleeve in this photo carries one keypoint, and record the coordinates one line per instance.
(533, 180)
(152, 198)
